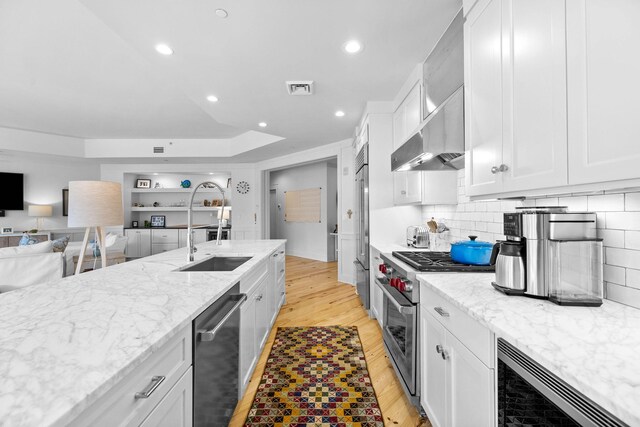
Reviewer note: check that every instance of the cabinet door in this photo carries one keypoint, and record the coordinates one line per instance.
(534, 94)
(439, 187)
(471, 387)
(263, 316)
(434, 373)
(176, 408)
(248, 350)
(145, 243)
(412, 111)
(407, 187)
(602, 77)
(398, 128)
(133, 243)
(483, 96)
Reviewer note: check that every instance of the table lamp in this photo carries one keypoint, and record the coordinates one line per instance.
(94, 204)
(40, 212)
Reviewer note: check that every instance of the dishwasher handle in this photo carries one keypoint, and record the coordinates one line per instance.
(210, 334)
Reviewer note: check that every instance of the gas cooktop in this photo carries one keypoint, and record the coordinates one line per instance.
(438, 261)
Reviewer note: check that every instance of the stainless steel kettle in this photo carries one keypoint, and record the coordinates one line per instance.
(509, 259)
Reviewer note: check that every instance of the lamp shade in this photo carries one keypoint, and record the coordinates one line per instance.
(40, 211)
(95, 204)
(227, 213)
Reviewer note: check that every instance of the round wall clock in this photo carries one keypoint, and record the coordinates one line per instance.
(243, 187)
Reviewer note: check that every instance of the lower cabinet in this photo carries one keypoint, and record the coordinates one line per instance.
(199, 236)
(138, 243)
(176, 409)
(457, 388)
(157, 392)
(265, 295)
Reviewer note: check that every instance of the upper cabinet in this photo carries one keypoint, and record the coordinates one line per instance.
(603, 87)
(515, 96)
(550, 89)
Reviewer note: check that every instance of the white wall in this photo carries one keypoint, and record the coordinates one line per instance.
(307, 240)
(44, 178)
(618, 224)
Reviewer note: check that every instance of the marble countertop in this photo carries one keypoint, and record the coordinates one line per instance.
(63, 345)
(595, 350)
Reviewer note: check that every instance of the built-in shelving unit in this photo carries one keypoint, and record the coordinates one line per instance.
(172, 190)
(177, 209)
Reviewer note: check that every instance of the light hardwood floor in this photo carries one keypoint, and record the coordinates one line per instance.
(316, 298)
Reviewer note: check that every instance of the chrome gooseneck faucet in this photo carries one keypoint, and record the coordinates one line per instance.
(190, 244)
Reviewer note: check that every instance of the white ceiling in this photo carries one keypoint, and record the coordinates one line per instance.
(88, 68)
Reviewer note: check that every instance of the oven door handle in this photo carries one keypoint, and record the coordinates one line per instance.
(404, 309)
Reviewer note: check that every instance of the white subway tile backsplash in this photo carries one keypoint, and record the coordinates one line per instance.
(623, 220)
(618, 225)
(606, 203)
(614, 274)
(632, 240)
(632, 202)
(612, 238)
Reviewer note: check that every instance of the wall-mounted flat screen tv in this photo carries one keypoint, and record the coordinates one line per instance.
(12, 193)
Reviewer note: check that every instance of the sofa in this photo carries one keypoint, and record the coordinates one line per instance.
(22, 266)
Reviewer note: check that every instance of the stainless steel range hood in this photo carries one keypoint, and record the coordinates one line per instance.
(439, 145)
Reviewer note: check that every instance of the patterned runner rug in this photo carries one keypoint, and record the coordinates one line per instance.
(316, 376)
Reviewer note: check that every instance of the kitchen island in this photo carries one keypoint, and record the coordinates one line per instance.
(64, 345)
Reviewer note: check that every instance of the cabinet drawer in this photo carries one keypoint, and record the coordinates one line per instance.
(163, 247)
(466, 329)
(120, 407)
(165, 236)
(248, 282)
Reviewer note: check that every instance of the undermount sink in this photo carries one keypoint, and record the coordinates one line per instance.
(218, 263)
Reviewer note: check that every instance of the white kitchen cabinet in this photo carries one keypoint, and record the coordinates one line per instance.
(199, 236)
(138, 243)
(457, 388)
(407, 187)
(375, 293)
(515, 96)
(603, 84)
(171, 398)
(259, 311)
(176, 408)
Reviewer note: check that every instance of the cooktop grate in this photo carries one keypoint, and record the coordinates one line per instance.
(438, 261)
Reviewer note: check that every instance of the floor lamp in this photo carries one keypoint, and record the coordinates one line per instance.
(94, 204)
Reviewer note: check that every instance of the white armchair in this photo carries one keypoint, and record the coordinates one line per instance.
(25, 269)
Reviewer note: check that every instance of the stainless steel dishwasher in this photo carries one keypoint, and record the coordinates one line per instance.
(216, 342)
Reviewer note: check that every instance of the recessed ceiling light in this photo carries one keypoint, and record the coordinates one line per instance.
(221, 13)
(262, 124)
(212, 98)
(339, 113)
(155, 173)
(210, 173)
(164, 49)
(353, 46)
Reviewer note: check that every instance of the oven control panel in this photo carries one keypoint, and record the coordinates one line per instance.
(400, 283)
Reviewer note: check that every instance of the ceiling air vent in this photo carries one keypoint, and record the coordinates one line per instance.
(158, 150)
(300, 87)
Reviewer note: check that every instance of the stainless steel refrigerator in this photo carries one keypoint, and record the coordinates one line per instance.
(362, 218)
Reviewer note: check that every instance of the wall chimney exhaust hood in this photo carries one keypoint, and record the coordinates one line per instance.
(439, 145)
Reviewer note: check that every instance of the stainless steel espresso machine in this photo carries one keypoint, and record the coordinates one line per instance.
(550, 253)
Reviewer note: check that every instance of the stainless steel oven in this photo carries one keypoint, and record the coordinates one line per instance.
(400, 332)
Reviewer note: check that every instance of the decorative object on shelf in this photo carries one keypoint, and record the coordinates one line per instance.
(216, 202)
(243, 187)
(185, 184)
(40, 212)
(136, 204)
(147, 224)
(156, 204)
(206, 203)
(158, 185)
(65, 202)
(6, 230)
(158, 221)
(134, 224)
(143, 183)
(95, 204)
(225, 218)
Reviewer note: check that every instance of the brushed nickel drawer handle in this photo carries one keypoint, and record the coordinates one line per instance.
(439, 349)
(153, 385)
(441, 311)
